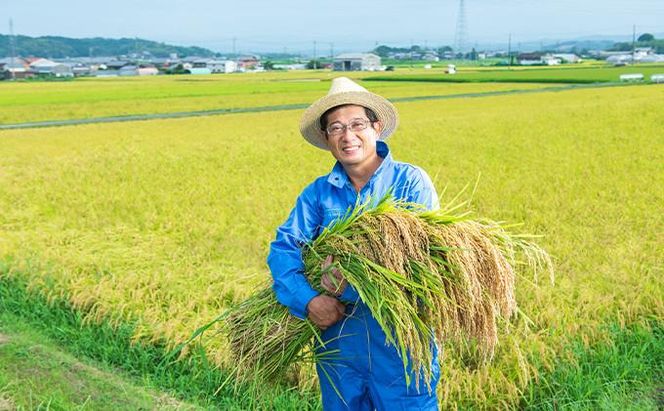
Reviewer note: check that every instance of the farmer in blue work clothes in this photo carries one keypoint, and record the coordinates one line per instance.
(364, 373)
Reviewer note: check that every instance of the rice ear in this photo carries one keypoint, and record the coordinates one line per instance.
(421, 273)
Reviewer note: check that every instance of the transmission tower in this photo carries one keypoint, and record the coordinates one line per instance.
(461, 37)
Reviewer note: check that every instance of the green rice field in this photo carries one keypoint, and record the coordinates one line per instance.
(103, 97)
(535, 74)
(119, 240)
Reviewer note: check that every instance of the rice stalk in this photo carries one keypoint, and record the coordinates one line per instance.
(423, 275)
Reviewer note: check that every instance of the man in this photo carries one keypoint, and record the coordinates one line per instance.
(357, 370)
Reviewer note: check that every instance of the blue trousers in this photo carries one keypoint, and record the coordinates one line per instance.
(358, 371)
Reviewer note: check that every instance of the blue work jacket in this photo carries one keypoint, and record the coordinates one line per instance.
(328, 198)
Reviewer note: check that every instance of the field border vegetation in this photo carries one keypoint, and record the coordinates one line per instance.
(625, 373)
(626, 369)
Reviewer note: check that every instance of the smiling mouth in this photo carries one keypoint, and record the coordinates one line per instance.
(350, 149)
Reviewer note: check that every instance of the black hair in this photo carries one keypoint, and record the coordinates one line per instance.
(371, 115)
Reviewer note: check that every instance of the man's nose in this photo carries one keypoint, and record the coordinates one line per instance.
(348, 133)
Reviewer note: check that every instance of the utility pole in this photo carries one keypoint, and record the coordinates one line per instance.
(12, 44)
(234, 54)
(509, 52)
(315, 55)
(633, 41)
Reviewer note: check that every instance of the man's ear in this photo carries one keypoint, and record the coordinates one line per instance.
(378, 126)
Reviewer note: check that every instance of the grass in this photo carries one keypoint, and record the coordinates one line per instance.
(36, 374)
(51, 347)
(625, 374)
(164, 223)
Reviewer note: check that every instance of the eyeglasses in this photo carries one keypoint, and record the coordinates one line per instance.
(355, 125)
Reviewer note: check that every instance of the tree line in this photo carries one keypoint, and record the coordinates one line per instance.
(63, 47)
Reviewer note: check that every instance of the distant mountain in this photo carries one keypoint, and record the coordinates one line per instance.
(62, 47)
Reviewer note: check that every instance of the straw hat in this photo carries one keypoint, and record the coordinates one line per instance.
(345, 91)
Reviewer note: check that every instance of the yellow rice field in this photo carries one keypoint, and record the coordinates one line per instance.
(166, 222)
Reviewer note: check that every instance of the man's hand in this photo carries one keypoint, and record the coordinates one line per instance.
(332, 281)
(324, 311)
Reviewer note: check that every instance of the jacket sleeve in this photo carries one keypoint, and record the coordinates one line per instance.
(423, 191)
(285, 259)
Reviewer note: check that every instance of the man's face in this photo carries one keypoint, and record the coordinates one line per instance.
(352, 148)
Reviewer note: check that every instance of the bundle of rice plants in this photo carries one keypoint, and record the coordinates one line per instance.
(422, 274)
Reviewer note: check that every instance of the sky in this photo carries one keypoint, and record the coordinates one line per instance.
(335, 26)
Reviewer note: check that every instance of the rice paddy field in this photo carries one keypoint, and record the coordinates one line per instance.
(568, 74)
(150, 229)
(104, 97)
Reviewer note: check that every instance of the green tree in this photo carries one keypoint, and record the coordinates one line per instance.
(314, 64)
(382, 51)
(645, 37)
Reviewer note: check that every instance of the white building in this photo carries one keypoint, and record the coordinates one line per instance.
(356, 62)
(222, 66)
(147, 71)
(532, 59)
(568, 57)
(48, 67)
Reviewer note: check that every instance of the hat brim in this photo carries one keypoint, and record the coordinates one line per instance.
(385, 111)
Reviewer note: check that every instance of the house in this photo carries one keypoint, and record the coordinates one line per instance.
(80, 69)
(14, 68)
(619, 59)
(198, 70)
(529, 59)
(128, 70)
(216, 66)
(222, 66)
(115, 64)
(652, 58)
(247, 62)
(430, 56)
(549, 60)
(298, 66)
(45, 67)
(640, 52)
(532, 59)
(356, 62)
(568, 58)
(146, 70)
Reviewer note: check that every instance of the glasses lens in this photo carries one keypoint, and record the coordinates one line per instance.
(358, 125)
(335, 128)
